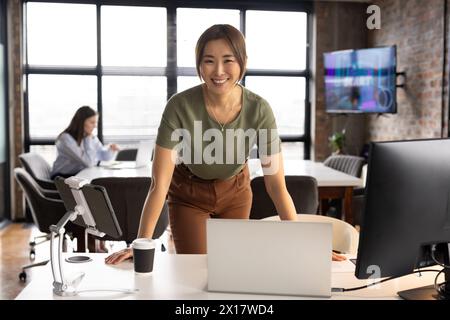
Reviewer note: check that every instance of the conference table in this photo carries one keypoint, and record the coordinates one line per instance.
(184, 277)
(332, 184)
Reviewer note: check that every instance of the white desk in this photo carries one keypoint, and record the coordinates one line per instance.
(184, 277)
(332, 183)
(101, 172)
(325, 176)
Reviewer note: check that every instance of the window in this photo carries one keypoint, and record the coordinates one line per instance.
(123, 32)
(187, 82)
(283, 45)
(61, 34)
(190, 25)
(53, 99)
(129, 69)
(132, 106)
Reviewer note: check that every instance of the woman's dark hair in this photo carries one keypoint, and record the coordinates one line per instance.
(76, 126)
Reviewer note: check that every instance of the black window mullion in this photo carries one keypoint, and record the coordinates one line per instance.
(26, 117)
(99, 75)
(63, 70)
(171, 71)
(309, 35)
(279, 73)
(243, 24)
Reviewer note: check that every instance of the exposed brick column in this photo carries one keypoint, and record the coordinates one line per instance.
(338, 26)
(14, 12)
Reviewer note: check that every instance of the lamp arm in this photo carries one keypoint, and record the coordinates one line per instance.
(60, 286)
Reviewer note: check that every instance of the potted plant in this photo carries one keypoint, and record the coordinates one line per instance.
(337, 142)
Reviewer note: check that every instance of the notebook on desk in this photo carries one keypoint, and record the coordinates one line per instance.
(269, 257)
(143, 158)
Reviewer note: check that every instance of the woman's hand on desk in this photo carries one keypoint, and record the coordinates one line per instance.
(119, 256)
(337, 257)
(114, 147)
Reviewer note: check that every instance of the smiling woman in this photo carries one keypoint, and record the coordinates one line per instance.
(197, 187)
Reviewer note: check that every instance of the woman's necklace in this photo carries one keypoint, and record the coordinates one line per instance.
(222, 126)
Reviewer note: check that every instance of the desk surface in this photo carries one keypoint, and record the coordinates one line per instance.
(184, 277)
(326, 177)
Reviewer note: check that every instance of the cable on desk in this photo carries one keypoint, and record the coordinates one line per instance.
(381, 281)
(441, 288)
(433, 251)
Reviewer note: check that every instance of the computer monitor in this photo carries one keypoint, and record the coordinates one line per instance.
(407, 211)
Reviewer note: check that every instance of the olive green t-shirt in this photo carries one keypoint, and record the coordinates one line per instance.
(208, 151)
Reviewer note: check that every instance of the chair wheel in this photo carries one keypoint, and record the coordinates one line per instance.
(163, 248)
(23, 276)
(32, 254)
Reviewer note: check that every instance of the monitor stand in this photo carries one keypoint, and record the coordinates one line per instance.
(422, 293)
(430, 292)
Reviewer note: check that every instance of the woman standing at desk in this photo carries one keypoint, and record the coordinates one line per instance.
(212, 179)
(77, 147)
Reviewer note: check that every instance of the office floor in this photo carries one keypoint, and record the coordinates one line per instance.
(14, 253)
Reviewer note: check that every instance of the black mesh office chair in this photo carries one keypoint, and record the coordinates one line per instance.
(126, 155)
(351, 165)
(303, 190)
(127, 197)
(38, 168)
(45, 212)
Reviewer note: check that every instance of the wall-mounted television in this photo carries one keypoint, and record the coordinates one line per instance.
(361, 81)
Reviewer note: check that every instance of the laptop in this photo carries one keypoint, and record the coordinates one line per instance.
(269, 257)
(143, 157)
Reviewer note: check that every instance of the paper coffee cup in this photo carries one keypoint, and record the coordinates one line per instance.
(143, 254)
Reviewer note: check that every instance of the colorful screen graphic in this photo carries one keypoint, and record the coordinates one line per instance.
(358, 81)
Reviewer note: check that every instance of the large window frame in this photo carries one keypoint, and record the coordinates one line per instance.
(171, 71)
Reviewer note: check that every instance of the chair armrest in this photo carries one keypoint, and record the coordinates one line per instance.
(46, 184)
(52, 194)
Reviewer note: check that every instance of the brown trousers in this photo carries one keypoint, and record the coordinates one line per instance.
(193, 200)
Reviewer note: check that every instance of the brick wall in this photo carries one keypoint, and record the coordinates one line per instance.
(338, 26)
(15, 101)
(416, 27)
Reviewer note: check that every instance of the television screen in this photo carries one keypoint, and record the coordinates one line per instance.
(358, 81)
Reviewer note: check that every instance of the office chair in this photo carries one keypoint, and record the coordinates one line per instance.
(351, 165)
(303, 190)
(45, 212)
(38, 168)
(49, 194)
(127, 197)
(126, 155)
(345, 236)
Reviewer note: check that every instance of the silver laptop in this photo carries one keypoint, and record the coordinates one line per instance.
(269, 257)
(143, 157)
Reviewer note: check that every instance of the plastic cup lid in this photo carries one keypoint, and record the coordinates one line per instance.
(143, 244)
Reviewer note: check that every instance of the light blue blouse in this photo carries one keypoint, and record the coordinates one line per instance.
(72, 158)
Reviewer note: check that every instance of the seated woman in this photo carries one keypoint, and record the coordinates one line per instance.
(77, 147)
